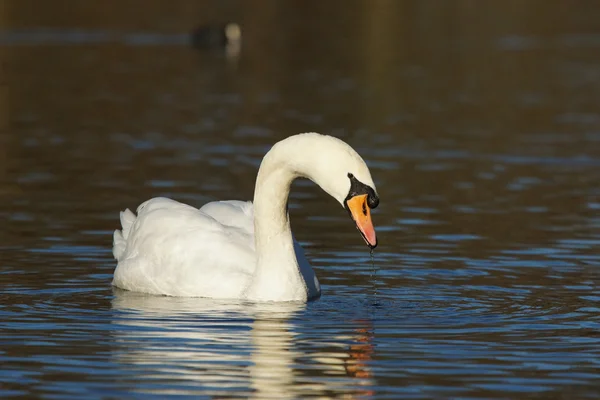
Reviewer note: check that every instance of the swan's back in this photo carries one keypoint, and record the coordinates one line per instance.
(175, 249)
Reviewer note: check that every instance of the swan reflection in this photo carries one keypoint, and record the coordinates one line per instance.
(193, 346)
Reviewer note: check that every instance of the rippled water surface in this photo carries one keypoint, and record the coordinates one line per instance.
(481, 126)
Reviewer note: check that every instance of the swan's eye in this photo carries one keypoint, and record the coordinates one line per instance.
(350, 175)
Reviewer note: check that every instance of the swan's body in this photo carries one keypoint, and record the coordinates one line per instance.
(234, 249)
(185, 251)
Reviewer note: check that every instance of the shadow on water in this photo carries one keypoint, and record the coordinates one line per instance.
(481, 128)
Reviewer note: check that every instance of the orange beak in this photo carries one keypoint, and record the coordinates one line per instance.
(361, 214)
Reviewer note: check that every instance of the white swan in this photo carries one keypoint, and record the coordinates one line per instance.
(234, 250)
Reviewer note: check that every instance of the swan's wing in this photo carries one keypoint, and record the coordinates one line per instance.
(175, 249)
(235, 213)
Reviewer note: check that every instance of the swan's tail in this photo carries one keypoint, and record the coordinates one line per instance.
(120, 236)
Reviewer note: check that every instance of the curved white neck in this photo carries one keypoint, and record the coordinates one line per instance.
(325, 160)
(277, 275)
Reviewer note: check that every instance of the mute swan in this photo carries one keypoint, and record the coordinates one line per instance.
(234, 250)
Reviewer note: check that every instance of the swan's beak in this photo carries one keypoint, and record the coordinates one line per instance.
(361, 214)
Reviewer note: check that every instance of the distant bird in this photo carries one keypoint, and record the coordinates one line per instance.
(218, 36)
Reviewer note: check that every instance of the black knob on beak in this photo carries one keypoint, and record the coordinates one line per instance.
(372, 200)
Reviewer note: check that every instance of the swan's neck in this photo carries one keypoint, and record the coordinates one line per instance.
(277, 275)
(325, 160)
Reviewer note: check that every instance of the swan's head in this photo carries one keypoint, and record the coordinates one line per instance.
(360, 200)
(341, 172)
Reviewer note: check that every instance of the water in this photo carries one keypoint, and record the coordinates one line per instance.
(481, 127)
